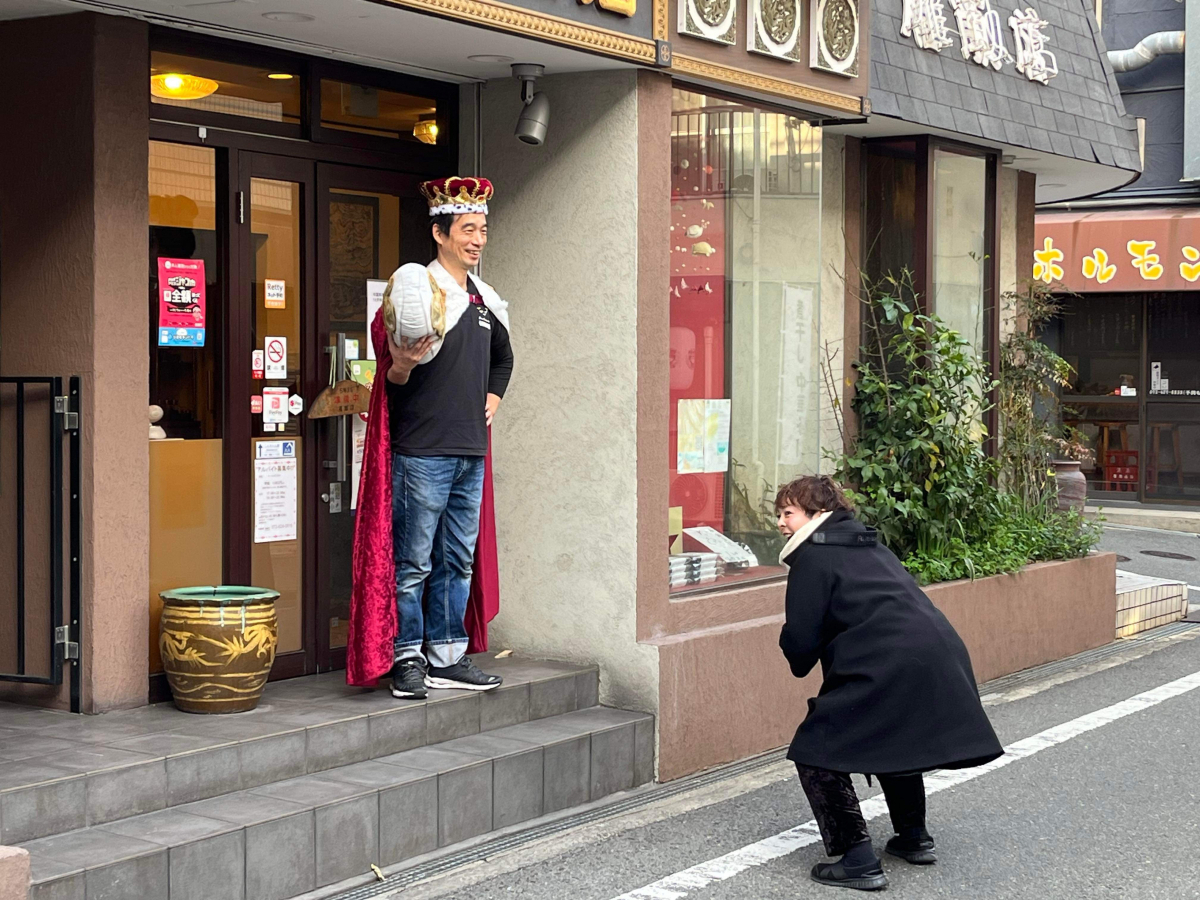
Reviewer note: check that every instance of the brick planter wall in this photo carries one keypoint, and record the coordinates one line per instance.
(1045, 612)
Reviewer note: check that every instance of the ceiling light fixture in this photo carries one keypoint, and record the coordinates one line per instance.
(426, 130)
(281, 76)
(288, 17)
(1051, 184)
(490, 58)
(178, 86)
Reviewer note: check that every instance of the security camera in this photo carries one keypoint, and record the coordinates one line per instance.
(535, 113)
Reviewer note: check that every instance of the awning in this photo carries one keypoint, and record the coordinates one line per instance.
(1119, 250)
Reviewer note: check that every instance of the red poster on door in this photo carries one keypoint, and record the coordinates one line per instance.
(180, 302)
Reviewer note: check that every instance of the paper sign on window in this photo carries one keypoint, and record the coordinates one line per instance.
(180, 302)
(275, 292)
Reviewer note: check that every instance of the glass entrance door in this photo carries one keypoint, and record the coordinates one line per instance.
(272, 376)
(368, 224)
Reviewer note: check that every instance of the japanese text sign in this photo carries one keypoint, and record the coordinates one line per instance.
(180, 302)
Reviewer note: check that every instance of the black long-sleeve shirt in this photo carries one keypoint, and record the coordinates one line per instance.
(440, 410)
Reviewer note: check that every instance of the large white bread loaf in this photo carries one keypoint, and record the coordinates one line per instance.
(415, 307)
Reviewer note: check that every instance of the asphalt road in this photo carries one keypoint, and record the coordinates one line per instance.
(1109, 813)
(1139, 546)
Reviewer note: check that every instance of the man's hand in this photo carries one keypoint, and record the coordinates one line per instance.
(406, 356)
(489, 408)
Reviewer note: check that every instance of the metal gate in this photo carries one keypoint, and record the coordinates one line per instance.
(40, 525)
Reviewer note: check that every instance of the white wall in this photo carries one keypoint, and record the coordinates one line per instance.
(1008, 247)
(563, 252)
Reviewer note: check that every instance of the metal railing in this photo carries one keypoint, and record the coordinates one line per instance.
(45, 582)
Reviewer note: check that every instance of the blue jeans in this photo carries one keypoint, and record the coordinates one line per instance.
(435, 524)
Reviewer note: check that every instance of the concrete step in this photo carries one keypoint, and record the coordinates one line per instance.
(294, 835)
(61, 772)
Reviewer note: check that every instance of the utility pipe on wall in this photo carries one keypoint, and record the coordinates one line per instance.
(1148, 49)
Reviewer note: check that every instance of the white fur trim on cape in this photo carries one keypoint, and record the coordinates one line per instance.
(801, 536)
(458, 209)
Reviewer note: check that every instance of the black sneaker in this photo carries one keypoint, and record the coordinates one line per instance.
(863, 878)
(918, 850)
(463, 675)
(408, 679)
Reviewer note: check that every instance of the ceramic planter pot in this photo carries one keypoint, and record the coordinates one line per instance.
(217, 645)
(1072, 484)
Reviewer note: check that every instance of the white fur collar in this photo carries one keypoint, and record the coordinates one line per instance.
(456, 292)
(801, 536)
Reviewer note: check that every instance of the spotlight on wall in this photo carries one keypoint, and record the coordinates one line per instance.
(535, 114)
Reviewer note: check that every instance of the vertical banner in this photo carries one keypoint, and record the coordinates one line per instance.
(180, 302)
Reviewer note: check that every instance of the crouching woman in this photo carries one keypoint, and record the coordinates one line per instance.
(898, 696)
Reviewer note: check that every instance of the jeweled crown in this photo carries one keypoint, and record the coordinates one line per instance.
(457, 195)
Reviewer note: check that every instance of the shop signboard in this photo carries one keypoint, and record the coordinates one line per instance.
(1124, 251)
(181, 302)
(812, 52)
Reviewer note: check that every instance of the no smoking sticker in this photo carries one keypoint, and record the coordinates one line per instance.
(275, 350)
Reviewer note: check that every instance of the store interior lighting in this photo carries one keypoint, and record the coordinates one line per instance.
(426, 130)
(178, 86)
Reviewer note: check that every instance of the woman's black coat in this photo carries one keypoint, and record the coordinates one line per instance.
(899, 695)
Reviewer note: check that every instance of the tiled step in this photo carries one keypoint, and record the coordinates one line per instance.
(60, 772)
(282, 839)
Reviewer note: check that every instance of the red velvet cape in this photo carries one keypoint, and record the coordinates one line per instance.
(369, 653)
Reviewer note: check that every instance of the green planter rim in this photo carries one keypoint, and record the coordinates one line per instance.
(224, 595)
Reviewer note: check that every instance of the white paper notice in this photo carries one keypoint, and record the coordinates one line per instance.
(275, 293)
(351, 349)
(275, 406)
(729, 550)
(375, 291)
(276, 354)
(360, 446)
(274, 500)
(716, 435)
(689, 455)
(703, 436)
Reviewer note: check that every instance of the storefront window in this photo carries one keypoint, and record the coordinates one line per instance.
(226, 88)
(1173, 428)
(959, 243)
(1100, 335)
(185, 330)
(745, 272)
(373, 111)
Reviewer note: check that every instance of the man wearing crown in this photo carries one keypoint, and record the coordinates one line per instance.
(424, 564)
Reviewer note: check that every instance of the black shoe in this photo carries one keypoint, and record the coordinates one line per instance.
(919, 850)
(861, 878)
(408, 679)
(463, 675)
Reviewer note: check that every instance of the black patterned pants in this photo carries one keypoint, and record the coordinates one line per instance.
(835, 806)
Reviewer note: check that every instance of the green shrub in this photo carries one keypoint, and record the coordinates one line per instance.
(917, 469)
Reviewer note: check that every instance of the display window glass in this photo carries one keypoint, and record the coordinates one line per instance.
(226, 88)
(744, 318)
(368, 110)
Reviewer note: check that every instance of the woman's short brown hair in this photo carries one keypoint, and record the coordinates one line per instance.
(813, 494)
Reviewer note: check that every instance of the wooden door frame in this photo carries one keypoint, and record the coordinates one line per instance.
(331, 177)
(245, 166)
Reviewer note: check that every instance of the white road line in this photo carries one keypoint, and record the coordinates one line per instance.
(700, 876)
